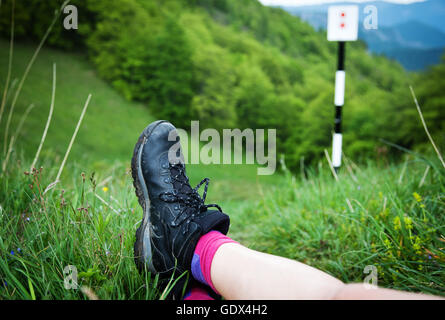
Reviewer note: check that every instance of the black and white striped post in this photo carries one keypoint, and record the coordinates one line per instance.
(342, 27)
(339, 101)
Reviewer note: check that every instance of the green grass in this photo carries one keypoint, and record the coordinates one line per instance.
(372, 216)
(369, 218)
(70, 227)
(103, 147)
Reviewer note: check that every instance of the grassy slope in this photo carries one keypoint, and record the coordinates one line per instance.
(306, 220)
(111, 125)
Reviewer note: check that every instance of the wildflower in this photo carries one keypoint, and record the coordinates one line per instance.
(417, 245)
(105, 189)
(12, 252)
(408, 223)
(417, 196)
(396, 223)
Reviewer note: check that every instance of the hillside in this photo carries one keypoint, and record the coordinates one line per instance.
(105, 134)
(235, 64)
(414, 44)
(411, 34)
(110, 128)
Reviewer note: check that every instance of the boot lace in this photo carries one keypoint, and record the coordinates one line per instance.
(191, 204)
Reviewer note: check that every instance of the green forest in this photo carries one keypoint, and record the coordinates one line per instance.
(238, 64)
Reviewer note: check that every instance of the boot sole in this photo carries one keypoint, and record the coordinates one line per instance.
(142, 249)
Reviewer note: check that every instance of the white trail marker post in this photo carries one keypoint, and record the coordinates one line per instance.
(342, 27)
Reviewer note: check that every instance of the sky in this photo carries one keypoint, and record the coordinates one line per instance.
(315, 2)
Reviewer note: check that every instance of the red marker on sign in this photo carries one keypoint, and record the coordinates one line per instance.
(343, 23)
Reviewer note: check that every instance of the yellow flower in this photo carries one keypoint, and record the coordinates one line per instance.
(397, 223)
(408, 223)
(104, 189)
(417, 245)
(417, 196)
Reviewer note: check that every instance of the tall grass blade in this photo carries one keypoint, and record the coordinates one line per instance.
(28, 68)
(73, 138)
(5, 162)
(422, 181)
(22, 120)
(11, 50)
(426, 128)
(17, 133)
(51, 109)
(330, 164)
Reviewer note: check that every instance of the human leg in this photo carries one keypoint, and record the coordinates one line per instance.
(241, 273)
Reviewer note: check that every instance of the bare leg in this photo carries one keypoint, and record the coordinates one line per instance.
(358, 291)
(241, 273)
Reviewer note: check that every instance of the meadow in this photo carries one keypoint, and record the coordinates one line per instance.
(382, 214)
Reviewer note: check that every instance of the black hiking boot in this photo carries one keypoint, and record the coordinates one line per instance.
(174, 214)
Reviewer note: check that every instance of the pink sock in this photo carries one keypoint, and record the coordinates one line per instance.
(203, 256)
